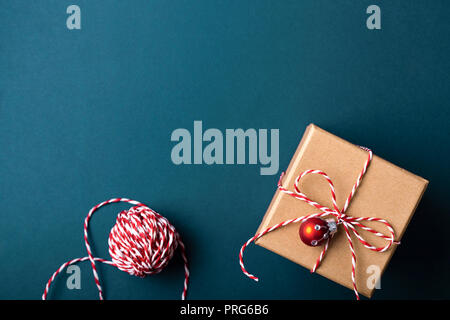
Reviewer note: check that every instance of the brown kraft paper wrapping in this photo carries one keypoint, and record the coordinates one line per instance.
(386, 191)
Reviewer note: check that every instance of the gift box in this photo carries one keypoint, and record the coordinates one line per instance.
(385, 192)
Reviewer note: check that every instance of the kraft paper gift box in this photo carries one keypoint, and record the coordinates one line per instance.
(386, 191)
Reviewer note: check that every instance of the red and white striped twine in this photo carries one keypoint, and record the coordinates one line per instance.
(349, 223)
(142, 242)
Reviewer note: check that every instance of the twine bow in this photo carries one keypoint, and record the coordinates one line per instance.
(348, 223)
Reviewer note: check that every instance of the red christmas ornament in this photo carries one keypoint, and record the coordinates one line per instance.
(314, 231)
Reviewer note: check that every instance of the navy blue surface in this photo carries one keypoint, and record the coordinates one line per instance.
(86, 115)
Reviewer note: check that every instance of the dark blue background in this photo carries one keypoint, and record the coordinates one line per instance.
(86, 115)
